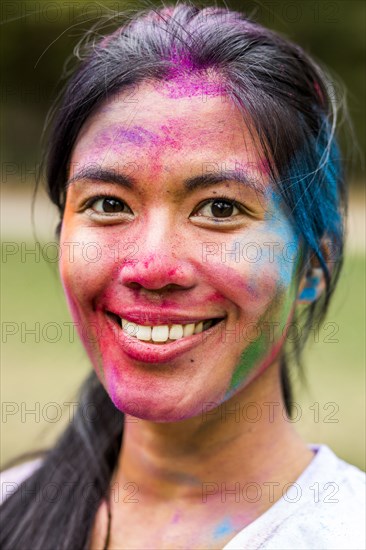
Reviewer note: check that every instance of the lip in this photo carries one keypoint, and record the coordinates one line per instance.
(162, 353)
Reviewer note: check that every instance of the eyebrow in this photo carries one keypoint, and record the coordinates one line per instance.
(196, 182)
(102, 175)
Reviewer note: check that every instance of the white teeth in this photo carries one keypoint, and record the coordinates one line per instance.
(125, 323)
(176, 332)
(188, 330)
(143, 333)
(162, 333)
(129, 327)
(198, 328)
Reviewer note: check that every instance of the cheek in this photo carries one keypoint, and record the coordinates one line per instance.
(264, 339)
(243, 271)
(270, 257)
(260, 279)
(87, 264)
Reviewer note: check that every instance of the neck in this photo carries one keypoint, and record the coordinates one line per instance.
(247, 438)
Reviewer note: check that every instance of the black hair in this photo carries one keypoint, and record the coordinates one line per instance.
(288, 100)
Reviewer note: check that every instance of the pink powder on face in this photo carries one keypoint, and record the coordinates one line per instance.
(152, 259)
(217, 285)
(191, 86)
(176, 517)
(246, 285)
(168, 131)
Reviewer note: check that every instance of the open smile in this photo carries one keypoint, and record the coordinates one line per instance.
(160, 343)
(164, 333)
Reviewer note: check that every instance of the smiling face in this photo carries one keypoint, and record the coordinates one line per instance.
(170, 219)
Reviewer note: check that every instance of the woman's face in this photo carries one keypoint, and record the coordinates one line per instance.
(171, 222)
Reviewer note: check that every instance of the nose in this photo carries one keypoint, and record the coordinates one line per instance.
(155, 271)
(160, 261)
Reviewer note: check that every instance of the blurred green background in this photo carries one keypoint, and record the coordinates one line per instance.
(37, 38)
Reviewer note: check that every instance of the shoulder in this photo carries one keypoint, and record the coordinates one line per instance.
(332, 514)
(347, 482)
(324, 508)
(11, 478)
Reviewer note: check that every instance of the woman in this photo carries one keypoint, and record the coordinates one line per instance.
(194, 163)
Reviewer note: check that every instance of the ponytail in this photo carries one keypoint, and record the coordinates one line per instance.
(55, 507)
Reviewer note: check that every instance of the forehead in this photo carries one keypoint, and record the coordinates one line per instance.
(172, 125)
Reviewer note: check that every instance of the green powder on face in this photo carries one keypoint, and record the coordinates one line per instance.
(261, 347)
(248, 359)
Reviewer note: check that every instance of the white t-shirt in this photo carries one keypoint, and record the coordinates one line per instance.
(324, 509)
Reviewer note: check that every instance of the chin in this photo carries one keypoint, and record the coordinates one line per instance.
(155, 406)
(152, 409)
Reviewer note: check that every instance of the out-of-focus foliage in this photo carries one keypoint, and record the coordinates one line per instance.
(38, 37)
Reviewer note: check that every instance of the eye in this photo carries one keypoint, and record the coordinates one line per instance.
(219, 208)
(109, 205)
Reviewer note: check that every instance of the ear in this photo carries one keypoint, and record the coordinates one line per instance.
(311, 286)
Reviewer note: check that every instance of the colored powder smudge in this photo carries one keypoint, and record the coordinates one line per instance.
(116, 136)
(192, 86)
(186, 78)
(277, 243)
(248, 360)
(288, 237)
(176, 517)
(137, 135)
(255, 355)
(223, 528)
(260, 351)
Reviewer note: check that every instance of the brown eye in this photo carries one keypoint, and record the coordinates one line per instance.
(219, 208)
(222, 209)
(110, 205)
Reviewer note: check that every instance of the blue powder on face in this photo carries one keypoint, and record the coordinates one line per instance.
(287, 253)
(223, 528)
(279, 241)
